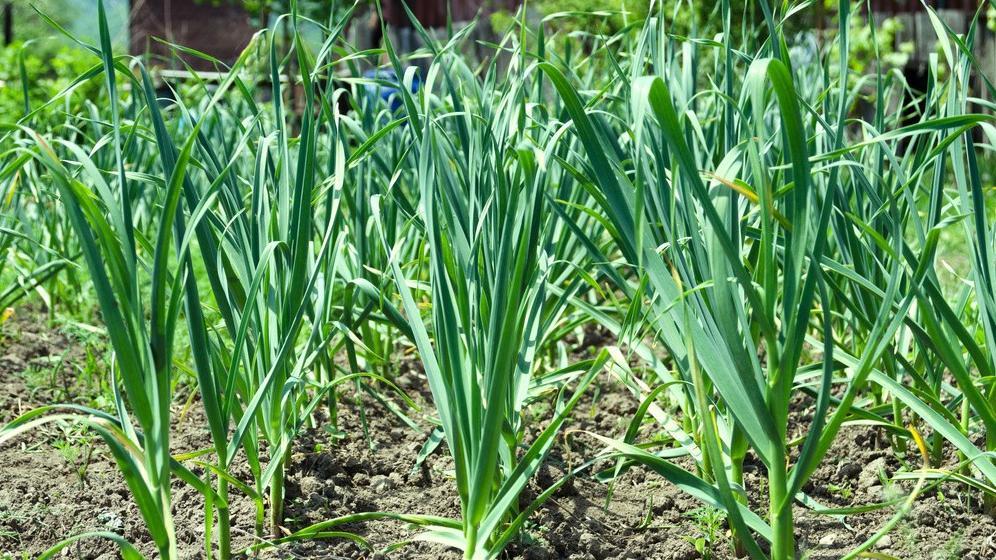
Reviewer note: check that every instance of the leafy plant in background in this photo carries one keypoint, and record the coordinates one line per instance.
(47, 73)
(601, 17)
(34, 250)
(47, 42)
(35, 71)
(882, 45)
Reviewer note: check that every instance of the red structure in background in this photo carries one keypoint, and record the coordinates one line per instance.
(433, 13)
(891, 8)
(906, 6)
(221, 31)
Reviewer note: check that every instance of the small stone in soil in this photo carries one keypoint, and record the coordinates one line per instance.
(111, 520)
(361, 479)
(310, 485)
(381, 484)
(870, 474)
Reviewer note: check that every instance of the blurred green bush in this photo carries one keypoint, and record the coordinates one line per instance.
(48, 71)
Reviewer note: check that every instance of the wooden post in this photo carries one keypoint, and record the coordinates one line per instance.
(8, 23)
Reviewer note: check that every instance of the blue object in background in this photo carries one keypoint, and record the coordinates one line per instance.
(390, 94)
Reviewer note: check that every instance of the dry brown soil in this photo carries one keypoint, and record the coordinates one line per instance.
(43, 497)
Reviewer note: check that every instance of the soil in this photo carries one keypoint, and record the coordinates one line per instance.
(45, 496)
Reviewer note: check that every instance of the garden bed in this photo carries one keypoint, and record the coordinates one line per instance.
(44, 497)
